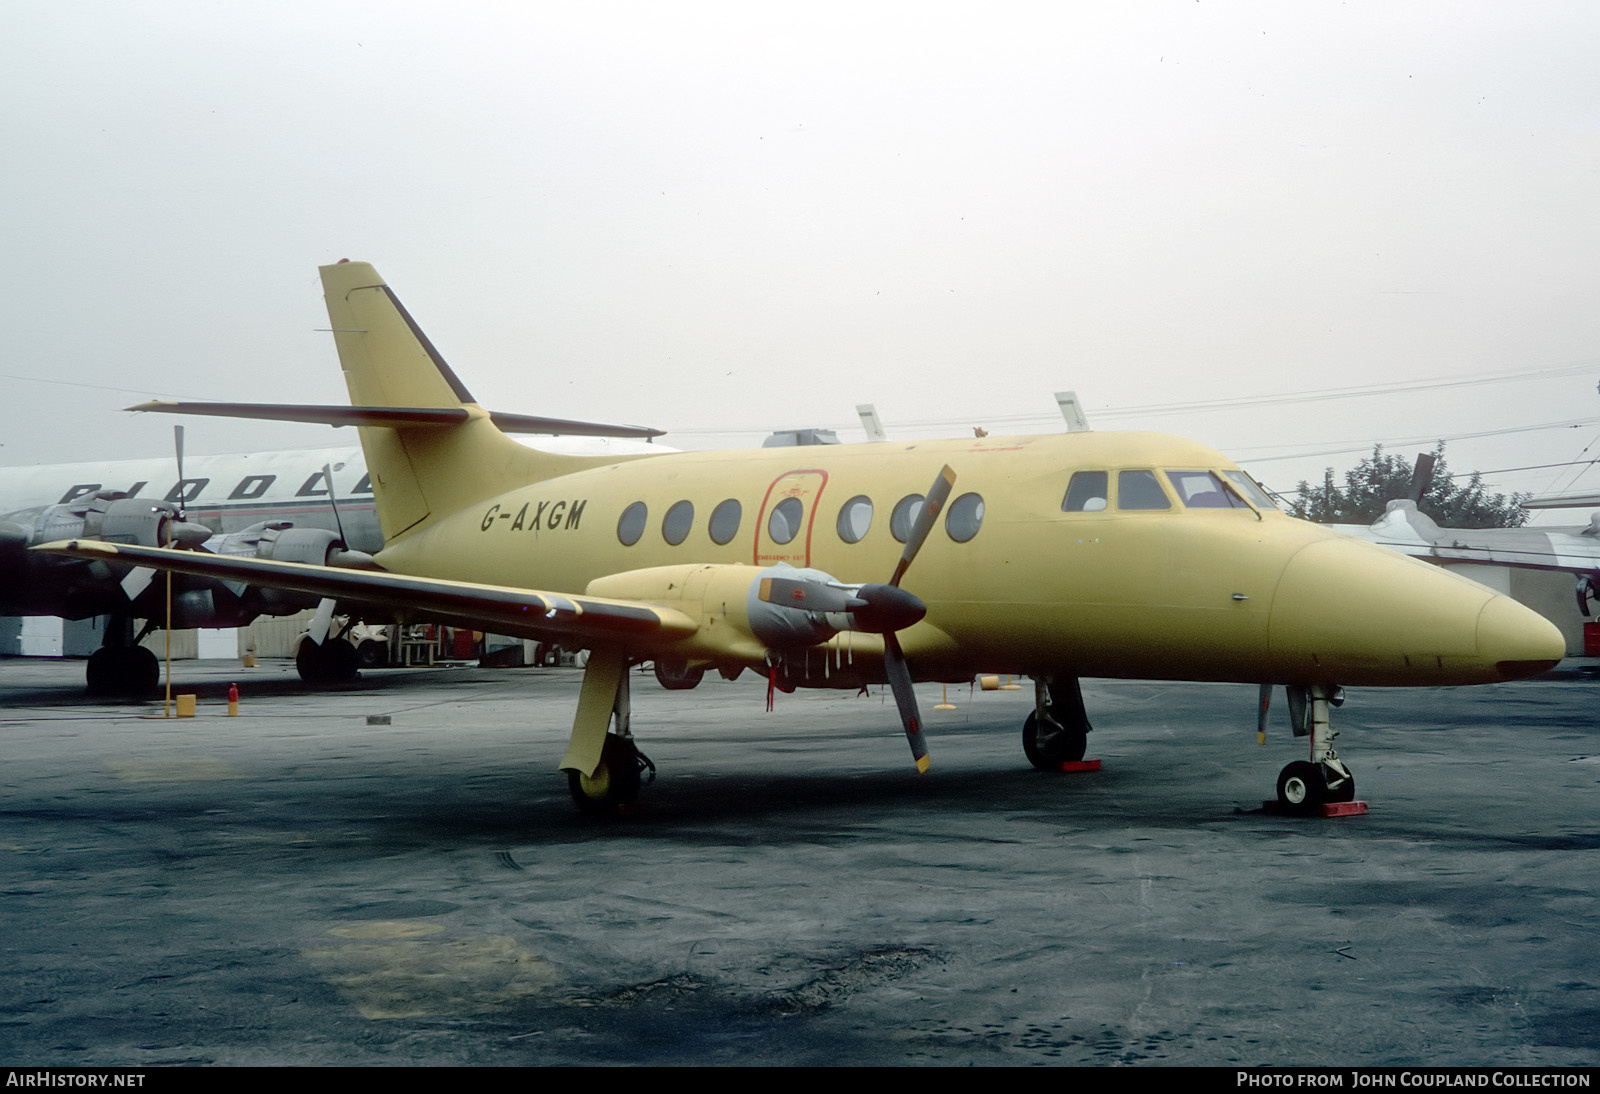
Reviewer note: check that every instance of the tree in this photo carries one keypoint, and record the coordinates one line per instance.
(1381, 478)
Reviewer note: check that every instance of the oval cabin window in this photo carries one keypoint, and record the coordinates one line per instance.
(784, 523)
(725, 521)
(676, 524)
(855, 518)
(905, 514)
(964, 517)
(630, 526)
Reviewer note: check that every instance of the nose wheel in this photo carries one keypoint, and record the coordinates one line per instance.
(1303, 786)
(1057, 731)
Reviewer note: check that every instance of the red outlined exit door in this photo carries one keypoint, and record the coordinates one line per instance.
(783, 529)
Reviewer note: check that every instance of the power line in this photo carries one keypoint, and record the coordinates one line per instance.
(1430, 438)
(1197, 406)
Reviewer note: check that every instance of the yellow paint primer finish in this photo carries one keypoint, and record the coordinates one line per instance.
(484, 532)
(1198, 594)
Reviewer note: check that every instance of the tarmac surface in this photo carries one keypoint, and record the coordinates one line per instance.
(296, 886)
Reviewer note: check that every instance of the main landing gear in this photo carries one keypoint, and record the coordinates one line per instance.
(1057, 731)
(333, 662)
(131, 672)
(121, 668)
(1305, 786)
(605, 769)
(677, 676)
(614, 785)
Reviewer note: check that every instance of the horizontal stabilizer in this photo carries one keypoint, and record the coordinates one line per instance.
(399, 417)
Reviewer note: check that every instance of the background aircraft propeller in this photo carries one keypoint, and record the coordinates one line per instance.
(179, 530)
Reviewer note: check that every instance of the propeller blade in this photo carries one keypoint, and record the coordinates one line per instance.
(327, 478)
(932, 506)
(177, 443)
(899, 674)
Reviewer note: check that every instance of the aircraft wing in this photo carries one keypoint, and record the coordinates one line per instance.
(1404, 529)
(526, 613)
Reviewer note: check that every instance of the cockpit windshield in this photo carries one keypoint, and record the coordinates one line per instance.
(1143, 489)
(1203, 490)
(1140, 490)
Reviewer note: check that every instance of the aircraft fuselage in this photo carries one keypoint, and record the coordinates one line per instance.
(1182, 592)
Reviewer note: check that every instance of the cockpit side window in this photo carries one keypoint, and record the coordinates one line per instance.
(1203, 490)
(1140, 490)
(1086, 493)
(1251, 489)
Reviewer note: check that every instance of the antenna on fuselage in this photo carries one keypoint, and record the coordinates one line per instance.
(869, 421)
(1072, 411)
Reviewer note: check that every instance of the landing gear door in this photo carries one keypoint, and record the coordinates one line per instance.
(783, 529)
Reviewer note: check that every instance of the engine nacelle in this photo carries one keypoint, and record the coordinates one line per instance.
(736, 625)
(783, 627)
(285, 543)
(108, 515)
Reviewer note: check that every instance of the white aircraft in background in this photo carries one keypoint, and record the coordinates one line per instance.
(1405, 528)
(270, 505)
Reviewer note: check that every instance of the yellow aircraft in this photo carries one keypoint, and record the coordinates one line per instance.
(1080, 554)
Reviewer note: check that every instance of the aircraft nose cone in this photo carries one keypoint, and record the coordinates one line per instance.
(1519, 642)
(1349, 612)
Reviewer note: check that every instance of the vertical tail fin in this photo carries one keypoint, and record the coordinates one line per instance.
(424, 471)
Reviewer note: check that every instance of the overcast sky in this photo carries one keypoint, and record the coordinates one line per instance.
(722, 219)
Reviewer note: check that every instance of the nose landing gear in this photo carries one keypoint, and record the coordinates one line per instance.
(1322, 784)
(1057, 731)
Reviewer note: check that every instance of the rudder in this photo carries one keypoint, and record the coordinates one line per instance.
(417, 472)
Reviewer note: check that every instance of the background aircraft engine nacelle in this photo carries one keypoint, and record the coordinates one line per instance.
(213, 606)
(147, 524)
(56, 522)
(286, 544)
(111, 518)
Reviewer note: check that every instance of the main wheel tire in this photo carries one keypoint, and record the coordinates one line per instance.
(677, 676)
(141, 673)
(310, 662)
(615, 783)
(122, 672)
(1302, 786)
(333, 662)
(1068, 746)
(344, 662)
(103, 674)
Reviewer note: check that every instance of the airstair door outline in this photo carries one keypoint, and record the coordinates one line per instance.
(783, 527)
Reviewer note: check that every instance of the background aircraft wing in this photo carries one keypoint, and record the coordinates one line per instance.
(1402, 528)
(525, 613)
